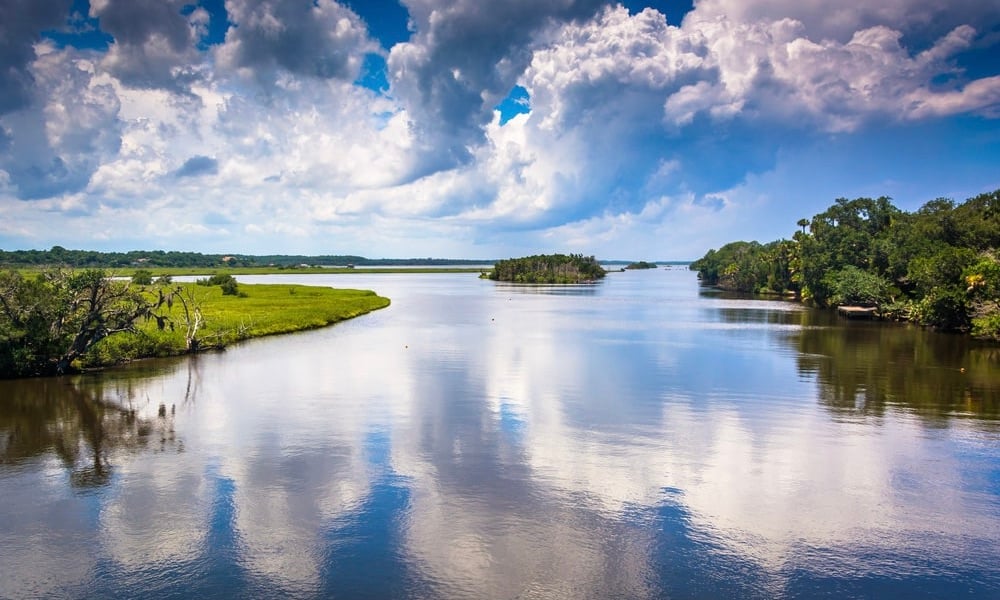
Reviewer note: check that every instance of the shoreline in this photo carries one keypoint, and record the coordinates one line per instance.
(265, 310)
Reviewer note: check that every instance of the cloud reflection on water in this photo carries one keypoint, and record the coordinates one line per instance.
(475, 443)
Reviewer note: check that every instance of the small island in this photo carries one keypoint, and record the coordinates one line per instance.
(640, 265)
(548, 268)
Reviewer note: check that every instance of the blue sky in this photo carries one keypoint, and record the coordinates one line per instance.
(457, 128)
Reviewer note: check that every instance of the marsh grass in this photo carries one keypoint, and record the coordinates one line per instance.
(261, 310)
(209, 271)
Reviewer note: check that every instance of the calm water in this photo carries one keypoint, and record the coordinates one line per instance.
(635, 439)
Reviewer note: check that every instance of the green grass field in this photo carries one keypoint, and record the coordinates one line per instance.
(128, 272)
(236, 271)
(265, 310)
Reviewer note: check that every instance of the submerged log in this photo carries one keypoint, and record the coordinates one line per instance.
(857, 312)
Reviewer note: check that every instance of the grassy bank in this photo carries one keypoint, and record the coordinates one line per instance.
(264, 310)
(237, 271)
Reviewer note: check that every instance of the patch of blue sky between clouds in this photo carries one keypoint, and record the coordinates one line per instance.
(218, 23)
(517, 102)
(674, 10)
(374, 75)
(386, 19)
(80, 31)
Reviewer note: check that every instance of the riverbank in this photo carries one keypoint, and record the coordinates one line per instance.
(155, 272)
(260, 310)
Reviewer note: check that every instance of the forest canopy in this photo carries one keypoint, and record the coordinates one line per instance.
(938, 266)
(548, 268)
(640, 265)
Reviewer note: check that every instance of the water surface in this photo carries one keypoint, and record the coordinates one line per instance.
(639, 438)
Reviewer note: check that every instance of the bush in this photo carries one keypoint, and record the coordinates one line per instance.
(944, 308)
(229, 288)
(987, 327)
(142, 277)
(226, 281)
(851, 285)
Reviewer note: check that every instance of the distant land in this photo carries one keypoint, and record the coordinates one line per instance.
(59, 256)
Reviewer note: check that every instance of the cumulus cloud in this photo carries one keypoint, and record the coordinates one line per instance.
(154, 43)
(21, 22)
(924, 21)
(322, 39)
(634, 126)
(616, 97)
(464, 58)
(60, 140)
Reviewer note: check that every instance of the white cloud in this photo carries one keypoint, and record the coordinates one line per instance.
(625, 110)
(57, 142)
(154, 43)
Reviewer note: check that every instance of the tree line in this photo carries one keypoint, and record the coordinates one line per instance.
(57, 256)
(938, 266)
(548, 268)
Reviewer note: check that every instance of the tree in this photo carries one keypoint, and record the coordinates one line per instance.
(983, 280)
(935, 266)
(847, 233)
(191, 317)
(50, 320)
(852, 286)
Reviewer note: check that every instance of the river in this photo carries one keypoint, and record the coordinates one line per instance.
(638, 438)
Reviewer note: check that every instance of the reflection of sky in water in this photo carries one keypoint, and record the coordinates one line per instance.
(639, 440)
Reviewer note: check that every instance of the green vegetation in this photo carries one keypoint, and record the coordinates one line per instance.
(50, 320)
(156, 260)
(225, 281)
(548, 268)
(641, 265)
(158, 272)
(59, 320)
(142, 277)
(225, 319)
(937, 266)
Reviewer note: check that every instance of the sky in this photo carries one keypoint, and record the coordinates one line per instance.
(466, 129)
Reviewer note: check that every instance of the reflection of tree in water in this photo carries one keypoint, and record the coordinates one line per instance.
(82, 423)
(863, 368)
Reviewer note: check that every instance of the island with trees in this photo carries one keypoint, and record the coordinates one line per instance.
(640, 265)
(60, 320)
(548, 268)
(938, 266)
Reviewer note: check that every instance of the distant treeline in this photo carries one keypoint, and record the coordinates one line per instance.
(59, 256)
(548, 268)
(938, 266)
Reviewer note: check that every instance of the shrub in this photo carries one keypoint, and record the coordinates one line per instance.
(851, 285)
(229, 287)
(142, 277)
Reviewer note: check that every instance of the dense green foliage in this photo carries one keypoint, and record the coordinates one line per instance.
(142, 277)
(937, 266)
(54, 321)
(641, 265)
(51, 319)
(225, 281)
(548, 268)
